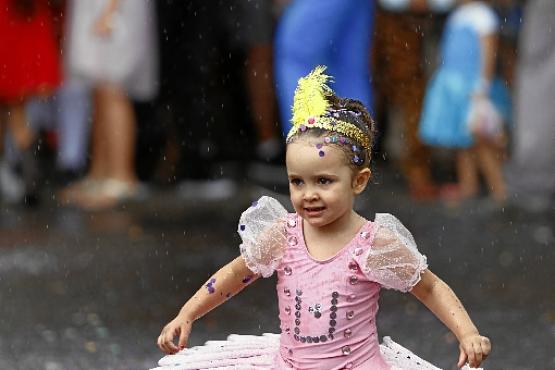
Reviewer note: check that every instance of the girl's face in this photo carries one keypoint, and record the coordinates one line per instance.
(321, 184)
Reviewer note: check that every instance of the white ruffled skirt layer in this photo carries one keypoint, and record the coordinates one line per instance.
(251, 352)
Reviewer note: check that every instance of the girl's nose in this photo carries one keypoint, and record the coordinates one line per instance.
(310, 194)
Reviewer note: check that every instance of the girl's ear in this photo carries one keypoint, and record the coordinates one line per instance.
(361, 180)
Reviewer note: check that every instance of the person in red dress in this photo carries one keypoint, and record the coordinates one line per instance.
(29, 66)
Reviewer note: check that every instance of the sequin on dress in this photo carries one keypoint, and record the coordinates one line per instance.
(327, 309)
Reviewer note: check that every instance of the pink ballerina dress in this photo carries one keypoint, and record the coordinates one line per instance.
(327, 309)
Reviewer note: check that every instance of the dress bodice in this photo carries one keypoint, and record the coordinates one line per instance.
(327, 306)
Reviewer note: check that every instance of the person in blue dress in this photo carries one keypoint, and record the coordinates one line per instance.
(465, 106)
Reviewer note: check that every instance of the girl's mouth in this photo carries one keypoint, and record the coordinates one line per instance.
(314, 211)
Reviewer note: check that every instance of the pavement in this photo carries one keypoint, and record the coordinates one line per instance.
(83, 290)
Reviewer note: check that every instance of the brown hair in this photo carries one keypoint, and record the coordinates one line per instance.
(354, 112)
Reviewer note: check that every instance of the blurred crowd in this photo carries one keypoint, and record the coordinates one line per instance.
(101, 100)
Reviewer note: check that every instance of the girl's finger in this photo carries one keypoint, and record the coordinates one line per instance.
(182, 338)
(462, 358)
(486, 346)
(477, 349)
(471, 356)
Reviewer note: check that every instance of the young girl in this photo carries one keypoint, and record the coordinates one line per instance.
(331, 262)
(458, 110)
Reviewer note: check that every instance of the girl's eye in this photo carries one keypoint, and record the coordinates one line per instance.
(296, 182)
(324, 181)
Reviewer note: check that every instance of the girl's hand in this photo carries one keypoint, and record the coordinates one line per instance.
(178, 327)
(474, 349)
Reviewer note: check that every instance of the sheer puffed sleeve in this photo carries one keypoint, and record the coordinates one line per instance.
(392, 259)
(262, 229)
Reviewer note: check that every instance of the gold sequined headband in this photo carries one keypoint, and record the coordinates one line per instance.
(311, 109)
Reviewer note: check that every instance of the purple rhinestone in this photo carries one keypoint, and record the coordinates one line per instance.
(327, 140)
(321, 153)
(319, 146)
(242, 227)
(302, 128)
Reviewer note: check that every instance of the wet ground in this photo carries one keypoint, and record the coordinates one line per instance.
(92, 290)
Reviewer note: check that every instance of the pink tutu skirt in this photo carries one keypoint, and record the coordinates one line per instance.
(252, 352)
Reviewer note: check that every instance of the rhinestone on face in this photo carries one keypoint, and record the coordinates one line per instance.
(288, 271)
(347, 333)
(350, 315)
(292, 240)
(364, 234)
(353, 280)
(358, 251)
(292, 222)
(288, 310)
(353, 266)
(242, 227)
(346, 350)
(287, 292)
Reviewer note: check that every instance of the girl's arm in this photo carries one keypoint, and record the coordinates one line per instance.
(488, 58)
(442, 301)
(228, 281)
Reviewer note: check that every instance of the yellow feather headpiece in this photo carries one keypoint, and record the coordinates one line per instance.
(310, 105)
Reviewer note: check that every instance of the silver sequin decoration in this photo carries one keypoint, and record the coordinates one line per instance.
(287, 292)
(350, 315)
(292, 222)
(358, 251)
(353, 266)
(364, 234)
(288, 310)
(292, 240)
(288, 271)
(353, 280)
(346, 350)
(347, 333)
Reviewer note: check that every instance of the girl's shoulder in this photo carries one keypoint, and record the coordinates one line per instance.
(478, 15)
